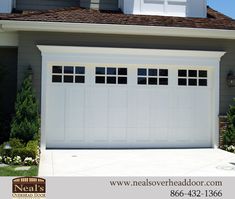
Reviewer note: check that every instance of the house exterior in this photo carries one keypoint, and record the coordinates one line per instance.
(122, 74)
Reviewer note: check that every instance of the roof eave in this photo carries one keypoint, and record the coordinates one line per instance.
(10, 25)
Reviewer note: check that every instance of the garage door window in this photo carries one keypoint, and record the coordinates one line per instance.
(68, 74)
(152, 76)
(111, 75)
(192, 77)
(57, 74)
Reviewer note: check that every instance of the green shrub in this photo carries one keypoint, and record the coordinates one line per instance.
(24, 152)
(28, 161)
(16, 143)
(25, 124)
(16, 160)
(33, 145)
(229, 134)
(8, 160)
(1, 150)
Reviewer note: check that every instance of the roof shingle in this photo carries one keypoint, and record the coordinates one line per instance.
(214, 20)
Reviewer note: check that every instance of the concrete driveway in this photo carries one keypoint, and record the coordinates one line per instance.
(158, 162)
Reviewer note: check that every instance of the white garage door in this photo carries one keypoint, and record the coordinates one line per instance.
(132, 106)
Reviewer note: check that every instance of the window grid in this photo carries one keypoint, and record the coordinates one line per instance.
(192, 77)
(152, 76)
(111, 75)
(68, 74)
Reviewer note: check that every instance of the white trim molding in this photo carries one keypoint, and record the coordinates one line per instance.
(7, 25)
(129, 56)
(46, 49)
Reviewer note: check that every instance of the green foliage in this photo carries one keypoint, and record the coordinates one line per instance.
(24, 152)
(33, 145)
(10, 171)
(14, 143)
(229, 134)
(20, 151)
(26, 122)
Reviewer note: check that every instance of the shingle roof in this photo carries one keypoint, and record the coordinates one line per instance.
(214, 20)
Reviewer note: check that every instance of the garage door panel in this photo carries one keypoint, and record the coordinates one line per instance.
(159, 99)
(132, 109)
(132, 134)
(185, 97)
(129, 115)
(94, 118)
(203, 112)
(174, 120)
(158, 118)
(142, 135)
(182, 134)
(118, 135)
(97, 135)
(118, 99)
(75, 104)
(158, 135)
(117, 118)
(186, 118)
(75, 134)
(97, 99)
(55, 115)
(142, 108)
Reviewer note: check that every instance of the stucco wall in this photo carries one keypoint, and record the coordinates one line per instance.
(30, 55)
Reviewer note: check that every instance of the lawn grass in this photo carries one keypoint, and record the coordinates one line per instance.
(9, 171)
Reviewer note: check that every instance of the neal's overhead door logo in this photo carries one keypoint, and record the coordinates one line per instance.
(29, 187)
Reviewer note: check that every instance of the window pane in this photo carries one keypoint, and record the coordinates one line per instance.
(142, 80)
(79, 79)
(57, 69)
(111, 80)
(68, 69)
(182, 73)
(142, 72)
(192, 82)
(202, 73)
(100, 70)
(122, 80)
(163, 81)
(100, 80)
(152, 81)
(202, 82)
(56, 78)
(152, 72)
(111, 71)
(163, 72)
(182, 82)
(68, 79)
(122, 71)
(80, 70)
(192, 73)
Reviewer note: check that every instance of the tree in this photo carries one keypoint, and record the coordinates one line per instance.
(229, 134)
(26, 122)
